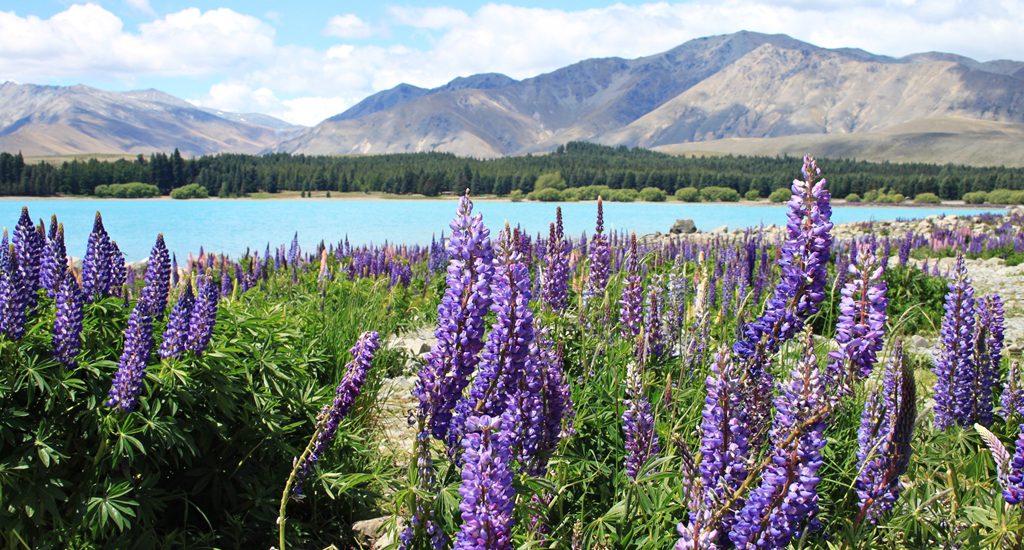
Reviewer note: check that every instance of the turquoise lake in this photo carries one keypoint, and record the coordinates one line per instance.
(232, 225)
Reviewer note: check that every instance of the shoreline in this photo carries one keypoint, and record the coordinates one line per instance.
(357, 196)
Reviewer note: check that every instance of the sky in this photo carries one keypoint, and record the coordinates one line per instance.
(303, 61)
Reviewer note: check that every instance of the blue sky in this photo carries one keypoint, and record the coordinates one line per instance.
(304, 61)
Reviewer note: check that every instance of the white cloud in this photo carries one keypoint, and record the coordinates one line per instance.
(347, 26)
(428, 18)
(86, 40)
(142, 6)
(305, 84)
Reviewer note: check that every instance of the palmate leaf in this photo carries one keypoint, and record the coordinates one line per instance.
(999, 453)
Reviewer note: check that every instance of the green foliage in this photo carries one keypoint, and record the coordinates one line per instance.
(975, 197)
(782, 194)
(516, 195)
(431, 174)
(853, 197)
(1005, 196)
(687, 194)
(623, 195)
(545, 195)
(550, 180)
(927, 198)
(718, 194)
(752, 195)
(652, 194)
(190, 191)
(203, 460)
(134, 190)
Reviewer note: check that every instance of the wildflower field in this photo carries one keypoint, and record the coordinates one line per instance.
(595, 391)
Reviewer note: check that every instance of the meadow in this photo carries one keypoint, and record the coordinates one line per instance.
(748, 389)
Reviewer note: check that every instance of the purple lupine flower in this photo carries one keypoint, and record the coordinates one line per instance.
(883, 439)
(28, 247)
(988, 352)
(653, 331)
(131, 369)
(204, 315)
(488, 497)
(177, 330)
(861, 324)
(905, 245)
(15, 295)
(638, 423)
(1012, 400)
(175, 274)
(1013, 487)
(55, 262)
(118, 268)
(67, 323)
(95, 265)
(600, 258)
(507, 349)
(344, 396)
(156, 283)
(555, 280)
(543, 405)
(423, 519)
(225, 284)
(725, 452)
(800, 290)
(954, 362)
(460, 320)
(631, 303)
(787, 498)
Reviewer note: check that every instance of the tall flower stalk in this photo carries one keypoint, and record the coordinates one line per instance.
(600, 258)
(780, 508)
(883, 439)
(67, 324)
(799, 292)
(555, 282)
(954, 364)
(861, 324)
(488, 497)
(328, 421)
(631, 302)
(460, 321)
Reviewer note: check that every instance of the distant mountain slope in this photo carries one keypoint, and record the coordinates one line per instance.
(59, 120)
(743, 85)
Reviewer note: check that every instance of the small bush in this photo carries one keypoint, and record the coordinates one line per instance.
(976, 197)
(719, 194)
(516, 195)
(652, 194)
(853, 197)
(927, 198)
(190, 191)
(571, 195)
(1005, 196)
(687, 194)
(623, 195)
(547, 194)
(780, 195)
(591, 192)
(891, 198)
(752, 195)
(550, 180)
(134, 190)
(871, 195)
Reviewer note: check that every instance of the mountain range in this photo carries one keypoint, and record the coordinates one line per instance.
(738, 93)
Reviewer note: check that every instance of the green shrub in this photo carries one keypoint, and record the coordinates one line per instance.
(1005, 196)
(516, 195)
(550, 180)
(687, 194)
(623, 195)
(192, 191)
(547, 194)
(752, 195)
(571, 195)
(891, 198)
(591, 192)
(781, 194)
(719, 194)
(927, 198)
(976, 197)
(871, 195)
(134, 190)
(853, 197)
(652, 194)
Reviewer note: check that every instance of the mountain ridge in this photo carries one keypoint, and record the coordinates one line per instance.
(727, 91)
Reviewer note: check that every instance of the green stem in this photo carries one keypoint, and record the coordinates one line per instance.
(281, 514)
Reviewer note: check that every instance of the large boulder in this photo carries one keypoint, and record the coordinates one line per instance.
(683, 227)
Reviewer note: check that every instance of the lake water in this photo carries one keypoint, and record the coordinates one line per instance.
(233, 225)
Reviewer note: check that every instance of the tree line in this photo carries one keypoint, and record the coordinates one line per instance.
(431, 174)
